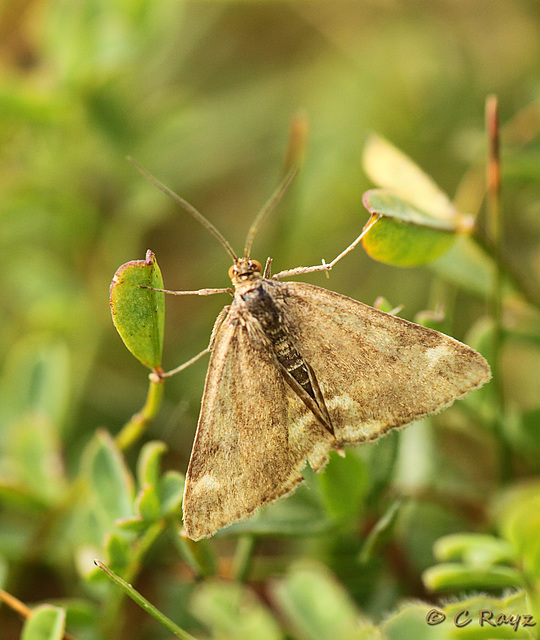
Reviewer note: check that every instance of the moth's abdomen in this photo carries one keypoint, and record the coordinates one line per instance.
(263, 309)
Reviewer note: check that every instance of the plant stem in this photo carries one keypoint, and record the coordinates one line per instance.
(144, 604)
(243, 557)
(111, 613)
(495, 228)
(137, 425)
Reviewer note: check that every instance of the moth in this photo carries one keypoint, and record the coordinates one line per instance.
(297, 371)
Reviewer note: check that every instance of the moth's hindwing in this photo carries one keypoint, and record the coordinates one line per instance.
(376, 371)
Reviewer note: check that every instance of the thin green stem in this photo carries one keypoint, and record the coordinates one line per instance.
(111, 612)
(138, 424)
(495, 230)
(144, 604)
(243, 557)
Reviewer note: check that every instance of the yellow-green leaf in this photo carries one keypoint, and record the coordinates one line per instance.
(404, 244)
(138, 313)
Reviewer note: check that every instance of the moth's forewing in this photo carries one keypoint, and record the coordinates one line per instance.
(376, 371)
(253, 438)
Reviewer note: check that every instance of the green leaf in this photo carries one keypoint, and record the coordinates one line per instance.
(117, 549)
(472, 619)
(139, 314)
(460, 576)
(148, 463)
(344, 485)
(148, 503)
(419, 222)
(111, 483)
(45, 623)
(38, 379)
(473, 549)
(380, 531)
(171, 492)
(232, 611)
(318, 607)
(390, 205)
(467, 266)
(300, 515)
(135, 524)
(518, 515)
(410, 624)
(404, 244)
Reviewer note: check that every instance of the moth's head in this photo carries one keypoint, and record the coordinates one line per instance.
(245, 269)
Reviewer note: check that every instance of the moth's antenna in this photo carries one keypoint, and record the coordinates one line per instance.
(272, 202)
(187, 207)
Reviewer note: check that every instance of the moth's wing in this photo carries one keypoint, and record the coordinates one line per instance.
(376, 371)
(251, 443)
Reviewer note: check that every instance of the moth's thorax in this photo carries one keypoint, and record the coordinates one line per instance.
(245, 271)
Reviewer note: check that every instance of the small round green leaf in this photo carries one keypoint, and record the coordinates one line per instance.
(138, 313)
(45, 623)
(405, 244)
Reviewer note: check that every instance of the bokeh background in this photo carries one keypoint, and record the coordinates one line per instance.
(202, 95)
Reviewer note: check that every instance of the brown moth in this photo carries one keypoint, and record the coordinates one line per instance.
(296, 371)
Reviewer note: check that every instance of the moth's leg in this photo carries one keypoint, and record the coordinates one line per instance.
(172, 372)
(199, 292)
(267, 268)
(185, 365)
(327, 266)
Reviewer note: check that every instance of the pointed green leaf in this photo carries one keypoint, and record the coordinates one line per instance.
(117, 550)
(135, 524)
(390, 168)
(45, 623)
(452, 575)
(380, 531)
(148, 504)
(139, 314)
(148, 463)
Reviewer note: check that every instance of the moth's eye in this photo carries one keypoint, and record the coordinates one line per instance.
(257, 266)
(232, 271)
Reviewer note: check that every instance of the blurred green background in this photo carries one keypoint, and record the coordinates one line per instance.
(202, 94)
